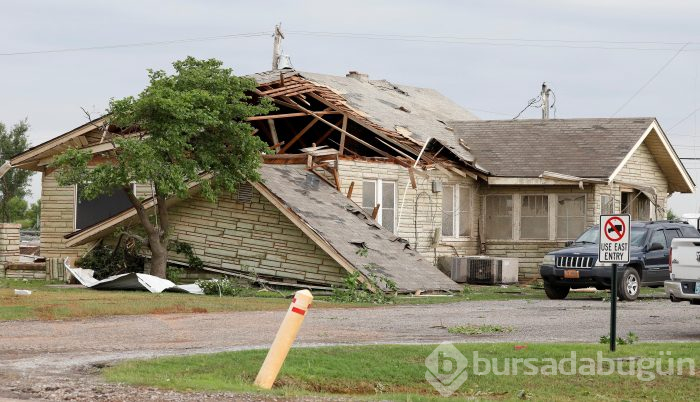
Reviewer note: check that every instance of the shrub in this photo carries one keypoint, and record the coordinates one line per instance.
(358, 291)
(221, 287)
(174, 274)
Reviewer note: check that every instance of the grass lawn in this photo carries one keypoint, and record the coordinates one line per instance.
(398, 373)
(55, 303)
(49, 302)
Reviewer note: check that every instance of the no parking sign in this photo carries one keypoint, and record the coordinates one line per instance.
(614, 238)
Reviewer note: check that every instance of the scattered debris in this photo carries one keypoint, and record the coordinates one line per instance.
(22, 292)
(130, 281)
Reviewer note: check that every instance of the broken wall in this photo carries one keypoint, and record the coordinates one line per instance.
(251, 236)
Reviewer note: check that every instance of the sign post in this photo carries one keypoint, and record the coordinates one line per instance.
(614, 247)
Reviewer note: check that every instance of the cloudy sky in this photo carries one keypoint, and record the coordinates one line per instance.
(489, 56)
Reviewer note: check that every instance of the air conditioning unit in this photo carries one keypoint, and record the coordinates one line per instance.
(484, 270)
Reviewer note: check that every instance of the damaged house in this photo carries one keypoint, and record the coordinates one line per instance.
(402, 172)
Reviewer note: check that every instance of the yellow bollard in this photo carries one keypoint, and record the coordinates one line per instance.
(284, 339)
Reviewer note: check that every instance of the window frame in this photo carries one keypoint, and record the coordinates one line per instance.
(456, 211)
(378, 195)
(520, 217)
(556, 213)
(513, 231)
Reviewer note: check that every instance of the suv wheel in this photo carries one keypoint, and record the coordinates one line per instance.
(629, 285)
(555, 292)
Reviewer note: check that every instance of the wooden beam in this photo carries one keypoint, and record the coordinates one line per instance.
(299, 134)
(412, 176)
(273, 131)
(375, 212)
(352, 185)
(344, 126)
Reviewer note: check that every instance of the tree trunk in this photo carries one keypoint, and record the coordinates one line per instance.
(159, 256)
(157, 236)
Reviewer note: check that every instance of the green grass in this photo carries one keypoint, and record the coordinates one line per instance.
(398, 373)
(55, 303)
(478, 329)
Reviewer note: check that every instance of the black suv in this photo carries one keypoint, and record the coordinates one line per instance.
(577, 266)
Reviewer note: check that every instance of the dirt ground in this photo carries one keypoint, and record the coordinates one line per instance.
(60, 360)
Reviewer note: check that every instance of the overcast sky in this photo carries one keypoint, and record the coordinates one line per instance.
(516, 46)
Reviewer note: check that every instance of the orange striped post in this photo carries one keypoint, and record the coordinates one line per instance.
(284, 339)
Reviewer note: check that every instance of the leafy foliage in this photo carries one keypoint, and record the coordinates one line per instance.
(359, 291)
(186, 250)
(630, 339)
(33, 215)
(190, 122)
(105, 261)
(221, 287)
(187, 127)
(15, 183)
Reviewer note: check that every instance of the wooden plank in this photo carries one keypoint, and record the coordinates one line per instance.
(299, 135)
(352, 186)
(276, 116)
(273, 131)
(344, 126)
(412, 176)
(375, 212)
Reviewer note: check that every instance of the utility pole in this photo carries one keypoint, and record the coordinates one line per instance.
(545, 100)
(277, 46)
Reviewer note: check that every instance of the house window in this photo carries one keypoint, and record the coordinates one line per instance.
(571, 215)
(383, 193)
(534, 217)
(456, 211)
(642, 208)
(499, 217)
(90, 212)
(607, 205)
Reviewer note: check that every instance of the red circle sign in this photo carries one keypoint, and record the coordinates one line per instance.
(614, 229)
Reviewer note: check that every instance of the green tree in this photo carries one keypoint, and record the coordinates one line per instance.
(191, 128)
(16, 209)
(670, 215)
(15, 183)
(33, 214)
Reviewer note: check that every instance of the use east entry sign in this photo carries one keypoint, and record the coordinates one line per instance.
(614, 238)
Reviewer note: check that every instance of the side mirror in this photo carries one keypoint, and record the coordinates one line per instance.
(569, 243)
(655, 246)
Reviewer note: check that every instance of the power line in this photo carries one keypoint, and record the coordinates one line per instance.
(653, 77)
(138, 44)
(476, 40)
(545, 43)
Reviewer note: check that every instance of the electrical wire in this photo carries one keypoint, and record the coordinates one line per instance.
(649, 81)
(529, 104)
(138, 44)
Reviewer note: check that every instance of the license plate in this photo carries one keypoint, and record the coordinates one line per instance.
(573, 274)
(697, 288)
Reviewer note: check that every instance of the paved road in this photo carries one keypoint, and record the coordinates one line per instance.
(61, 348)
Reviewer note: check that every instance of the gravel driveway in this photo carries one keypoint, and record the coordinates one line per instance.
(45, 359)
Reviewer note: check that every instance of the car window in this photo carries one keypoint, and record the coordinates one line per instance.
(592, 235)
(689, 231)
(658, 237)
(670, 235)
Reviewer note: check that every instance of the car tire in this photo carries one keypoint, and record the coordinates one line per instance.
(629, 286)
(555, 292)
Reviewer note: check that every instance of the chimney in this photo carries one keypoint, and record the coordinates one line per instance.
(358, 76)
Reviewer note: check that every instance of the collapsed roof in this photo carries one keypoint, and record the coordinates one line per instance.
(347, 228)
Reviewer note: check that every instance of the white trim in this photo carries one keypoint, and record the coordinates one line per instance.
(540, 181)
(378, 195)
(654, 126)
(456, 212)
